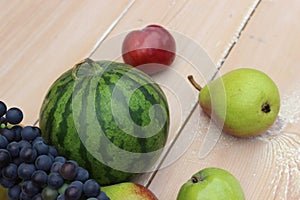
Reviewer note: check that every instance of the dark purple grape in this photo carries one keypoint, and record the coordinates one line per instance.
(82, 175)
(10, 171)
(91, 188)
(38, 139)
(24, 196)
(13, 192)
(37, 130)
(53, 151)
(14, 115)
(25, 171)
(7, 183)
(61, 197)
(43, 162)
(28, 154)
(17, 161)
(29, 133)
(55, 180)
(30, 189)
(24, 143)
(17, 129)
(39, 177)
(56, 166)
(78, 183)
(9, 134)
(3, 142)
(13, 148)
(69, 170)
(103, 196)
(3, 123)
(41, 148)
(60, 159)
(5, 158)
(37, 197)
(3, 108)
(73, 192)
(31, 158)
(51, 156)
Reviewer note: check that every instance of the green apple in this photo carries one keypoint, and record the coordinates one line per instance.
(245, 101)
(128, 191)
(211, 184)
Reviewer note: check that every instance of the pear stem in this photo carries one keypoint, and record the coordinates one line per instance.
(194, 83)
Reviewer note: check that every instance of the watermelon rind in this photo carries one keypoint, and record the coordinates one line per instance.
(111, 118)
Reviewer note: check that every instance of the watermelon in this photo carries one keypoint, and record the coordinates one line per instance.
(111, 118)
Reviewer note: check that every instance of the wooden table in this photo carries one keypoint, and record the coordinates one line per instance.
(41, 39)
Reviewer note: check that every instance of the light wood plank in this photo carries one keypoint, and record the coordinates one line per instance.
(42, 39)
(269, 44)
(169, 179)
(267, 166)
(212, 25)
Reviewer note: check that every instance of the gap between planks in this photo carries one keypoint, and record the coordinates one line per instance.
(238, 34)
(104, 35)
(111, 27)
(219, 64)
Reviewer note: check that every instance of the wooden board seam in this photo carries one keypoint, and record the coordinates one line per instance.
(238, 33)
(225, 54)
(111, 27)
(104, 35)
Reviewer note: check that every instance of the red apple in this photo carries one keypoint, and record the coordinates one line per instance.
(151, 49)
(128, 191)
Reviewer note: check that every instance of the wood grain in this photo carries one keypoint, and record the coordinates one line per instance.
(213, 25)
(268, 45)
(267, 166)
(41, 39)
(210, 25)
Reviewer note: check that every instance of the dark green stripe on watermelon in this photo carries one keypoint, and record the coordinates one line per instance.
(87, 97)
(49, 107)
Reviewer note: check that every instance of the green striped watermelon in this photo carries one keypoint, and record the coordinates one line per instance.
(109, 117)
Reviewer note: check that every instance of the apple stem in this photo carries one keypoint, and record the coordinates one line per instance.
(196, 179)
(194, 83)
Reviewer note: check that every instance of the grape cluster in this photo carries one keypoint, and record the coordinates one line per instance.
(31, 169)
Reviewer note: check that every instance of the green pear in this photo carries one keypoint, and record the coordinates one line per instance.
(244, 102)
(211, 184)
(128, 191)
